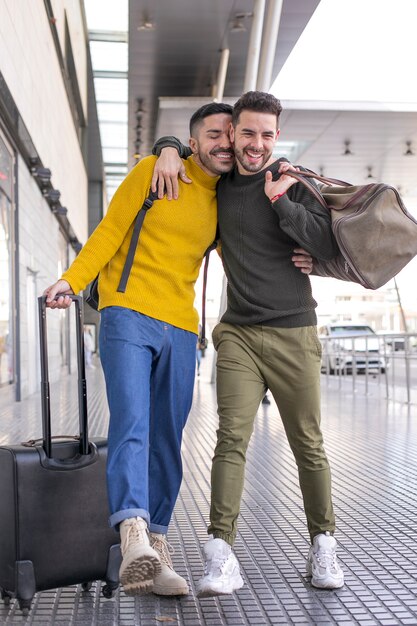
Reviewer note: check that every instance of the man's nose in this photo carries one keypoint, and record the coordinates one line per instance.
(225, 143)
(257, 141)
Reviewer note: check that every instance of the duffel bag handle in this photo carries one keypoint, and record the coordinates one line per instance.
(304, 176)
(323, 179)
(82, 385)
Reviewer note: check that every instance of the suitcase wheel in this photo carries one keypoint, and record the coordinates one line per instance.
(86, 586)
(24, 606)
(109, 589)
(6, 597)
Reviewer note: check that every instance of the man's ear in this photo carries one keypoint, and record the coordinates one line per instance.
(193, 145)
(231, 132)
(277, 135)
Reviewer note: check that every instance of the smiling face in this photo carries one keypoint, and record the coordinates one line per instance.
(211, 144)
(253, 138)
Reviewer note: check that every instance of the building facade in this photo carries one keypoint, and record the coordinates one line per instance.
(44, 179)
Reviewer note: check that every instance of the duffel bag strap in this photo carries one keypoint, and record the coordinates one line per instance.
(323, 179)
(203, 339)
(304, 176)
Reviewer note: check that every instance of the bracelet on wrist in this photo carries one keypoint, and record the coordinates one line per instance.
(278, 196)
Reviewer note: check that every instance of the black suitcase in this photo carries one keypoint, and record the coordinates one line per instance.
(53, 505)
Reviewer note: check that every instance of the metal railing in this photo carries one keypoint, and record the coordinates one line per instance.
(385, 363)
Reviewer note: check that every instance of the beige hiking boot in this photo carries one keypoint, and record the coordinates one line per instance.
(140, 562)
(168, 582)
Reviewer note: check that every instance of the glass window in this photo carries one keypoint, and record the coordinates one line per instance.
(111, 89)
(7, 345)
(110, 60)
(116, 170)
(114, 155)
(109, 56)
(113, 135)
(353, 330)
(6, 170)
(103, 16)
(112, 111)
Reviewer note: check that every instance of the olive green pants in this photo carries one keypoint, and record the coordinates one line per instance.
(250, 360)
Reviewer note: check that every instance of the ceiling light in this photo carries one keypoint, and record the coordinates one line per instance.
(59, 210)
(409, 150)
(52, 195)
(43, 174)
(238, 26)
(370, 175)
(348, 151)
(139, 109)
(146, 23)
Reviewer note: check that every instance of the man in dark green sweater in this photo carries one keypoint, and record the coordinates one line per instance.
(267, 338)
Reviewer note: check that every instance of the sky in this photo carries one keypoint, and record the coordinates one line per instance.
(361, 50)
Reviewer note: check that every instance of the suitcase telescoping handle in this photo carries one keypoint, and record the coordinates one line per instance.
(82, 385)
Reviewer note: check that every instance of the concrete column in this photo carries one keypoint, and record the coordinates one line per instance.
(221, 76)
(269, 43)
(254, 46)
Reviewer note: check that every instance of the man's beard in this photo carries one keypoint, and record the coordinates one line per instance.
(242, 157)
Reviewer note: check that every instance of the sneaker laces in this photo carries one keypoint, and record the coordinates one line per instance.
(164, 549)
(326, 559)
(215, 564)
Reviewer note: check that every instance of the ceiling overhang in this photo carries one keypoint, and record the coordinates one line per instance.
(175, 49)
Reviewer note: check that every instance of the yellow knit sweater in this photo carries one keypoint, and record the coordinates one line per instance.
(174, 236)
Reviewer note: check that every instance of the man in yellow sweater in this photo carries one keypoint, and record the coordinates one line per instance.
(148, 339)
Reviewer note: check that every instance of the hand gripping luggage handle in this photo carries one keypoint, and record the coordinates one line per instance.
(303, 178)
(82, 385)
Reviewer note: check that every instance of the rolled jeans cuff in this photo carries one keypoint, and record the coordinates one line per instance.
(158, 528)
(120, 516)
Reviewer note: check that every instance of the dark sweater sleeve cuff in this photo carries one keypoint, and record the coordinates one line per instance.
(284, 202)
(171, 142)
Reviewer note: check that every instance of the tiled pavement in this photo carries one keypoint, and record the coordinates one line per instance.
(372, 446)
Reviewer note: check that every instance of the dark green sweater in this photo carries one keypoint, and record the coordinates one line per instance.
(258, 239)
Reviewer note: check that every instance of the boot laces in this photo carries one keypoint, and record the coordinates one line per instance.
(164, 549)
(134, 534)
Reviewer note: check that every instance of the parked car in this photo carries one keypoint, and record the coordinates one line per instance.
(349, 347)
(395, 342)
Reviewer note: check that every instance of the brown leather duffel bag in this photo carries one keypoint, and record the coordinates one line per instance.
(375, 233)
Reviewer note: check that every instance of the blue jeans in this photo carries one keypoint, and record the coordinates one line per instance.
(149, 367)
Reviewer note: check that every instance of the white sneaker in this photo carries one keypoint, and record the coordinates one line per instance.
(221, 571)
(168, 582)
(140, 562)
(322, 563)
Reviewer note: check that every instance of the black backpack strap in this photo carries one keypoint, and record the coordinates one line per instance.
(203, 339)
(153, 195)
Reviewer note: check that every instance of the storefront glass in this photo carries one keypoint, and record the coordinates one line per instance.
(7, 351)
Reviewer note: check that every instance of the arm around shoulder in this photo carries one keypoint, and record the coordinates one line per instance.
(169, 167)
(169, 141)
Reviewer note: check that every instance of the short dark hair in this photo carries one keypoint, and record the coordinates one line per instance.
(212, 108)
(256, 101)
